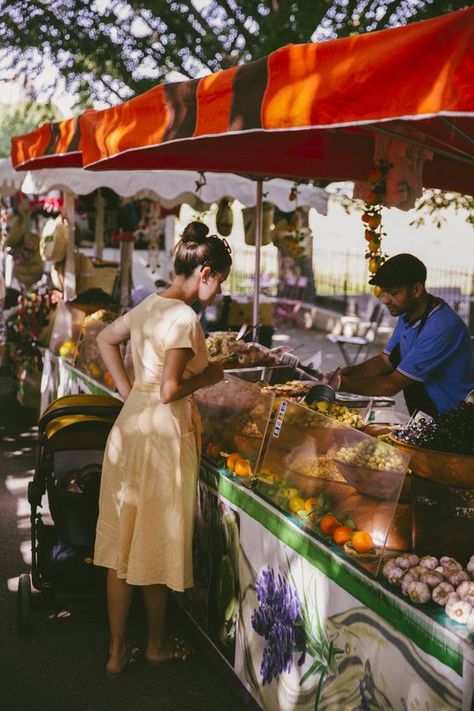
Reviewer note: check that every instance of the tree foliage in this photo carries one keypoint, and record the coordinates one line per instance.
(107, 50)
(22, 118)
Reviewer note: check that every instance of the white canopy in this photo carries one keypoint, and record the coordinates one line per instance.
(174, 187)
(10, 180)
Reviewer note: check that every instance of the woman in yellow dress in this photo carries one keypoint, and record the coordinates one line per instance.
(151, 461)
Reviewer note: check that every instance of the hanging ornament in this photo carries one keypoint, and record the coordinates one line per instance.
(224, 218)
(372, 218)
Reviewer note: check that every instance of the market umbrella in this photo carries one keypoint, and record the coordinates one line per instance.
(308, 111)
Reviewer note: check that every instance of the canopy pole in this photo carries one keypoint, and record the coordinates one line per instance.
(258, 247)
(70, 265)
(99, 225)
(126, 252)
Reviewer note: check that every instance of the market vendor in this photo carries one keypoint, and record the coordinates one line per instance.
(429, 354)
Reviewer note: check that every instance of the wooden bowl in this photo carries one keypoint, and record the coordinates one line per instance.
(442, 467)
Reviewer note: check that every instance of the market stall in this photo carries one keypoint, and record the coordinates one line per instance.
(305, 581)
(306, 613)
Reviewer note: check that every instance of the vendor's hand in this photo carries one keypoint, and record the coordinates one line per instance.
(213, 374)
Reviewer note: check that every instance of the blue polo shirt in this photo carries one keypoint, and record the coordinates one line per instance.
(440, 355)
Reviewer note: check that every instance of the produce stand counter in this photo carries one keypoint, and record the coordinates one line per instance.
(366, 645)
(300, 624)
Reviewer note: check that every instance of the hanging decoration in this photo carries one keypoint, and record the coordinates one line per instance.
(224, 217)
(372, 218)
(289, 234)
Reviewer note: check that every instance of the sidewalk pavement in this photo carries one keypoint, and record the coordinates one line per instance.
(61, 665)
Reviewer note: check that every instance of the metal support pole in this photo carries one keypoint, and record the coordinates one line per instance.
(258, 247)
(99, 225)
(126, 252)
(70, 266)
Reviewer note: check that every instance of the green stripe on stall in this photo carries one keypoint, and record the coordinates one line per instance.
(368, 593)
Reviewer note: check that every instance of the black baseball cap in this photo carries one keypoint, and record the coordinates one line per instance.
(400, 270)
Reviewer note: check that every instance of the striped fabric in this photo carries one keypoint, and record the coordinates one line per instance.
(55, 145)
(304, 111)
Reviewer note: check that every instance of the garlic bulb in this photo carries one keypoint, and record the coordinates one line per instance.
(441, 593)
(407, 561)
(417, 571)
(465, 589)
(407, 579)
(395, 576)
(431, 577)
(447, 562)
(459, 611)
(457, 577)
(469, 599)
(429, 561)
(419, 592)
(452, 599)
(388, 567)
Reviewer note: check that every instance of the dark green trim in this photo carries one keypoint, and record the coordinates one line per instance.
(369, 592)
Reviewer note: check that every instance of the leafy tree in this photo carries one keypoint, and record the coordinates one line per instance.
(108, 50)
(22, 118)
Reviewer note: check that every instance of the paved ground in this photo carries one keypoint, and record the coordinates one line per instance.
(59, 668)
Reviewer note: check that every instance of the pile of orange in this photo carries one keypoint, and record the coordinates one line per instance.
(238, 465)
(361, 541)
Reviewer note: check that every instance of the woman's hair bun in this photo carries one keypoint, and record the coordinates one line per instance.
(195, 232)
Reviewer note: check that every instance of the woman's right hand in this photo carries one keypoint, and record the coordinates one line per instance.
(213, 374)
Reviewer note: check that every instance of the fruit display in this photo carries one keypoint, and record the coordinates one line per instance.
(452, 431)
(235, 418)
(66, 332)
(89, 360)
(443, 581)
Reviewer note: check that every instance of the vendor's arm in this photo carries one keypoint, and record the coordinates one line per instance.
(378, 365)
(384, 385)
(109, 341)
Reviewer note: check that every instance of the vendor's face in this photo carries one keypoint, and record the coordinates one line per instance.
(399, 299)
(210, 285)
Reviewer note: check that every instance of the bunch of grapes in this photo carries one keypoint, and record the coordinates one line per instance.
(451, 432)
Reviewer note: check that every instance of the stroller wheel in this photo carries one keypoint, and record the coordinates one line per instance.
(23, 619)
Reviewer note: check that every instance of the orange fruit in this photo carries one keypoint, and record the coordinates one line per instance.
(342, 534)
(309, 503)
(242, 468)
(328, 523)
(362, 542)
(231, 460)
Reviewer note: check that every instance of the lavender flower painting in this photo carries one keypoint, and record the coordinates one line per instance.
(278, 619)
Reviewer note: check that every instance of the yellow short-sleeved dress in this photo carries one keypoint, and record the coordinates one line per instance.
(151, 460)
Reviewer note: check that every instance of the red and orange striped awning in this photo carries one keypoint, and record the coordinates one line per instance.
(52, 145)
(308, 111)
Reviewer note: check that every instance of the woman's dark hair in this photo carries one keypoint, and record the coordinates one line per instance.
(197, 248)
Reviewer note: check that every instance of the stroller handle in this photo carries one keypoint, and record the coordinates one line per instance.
(107, 411)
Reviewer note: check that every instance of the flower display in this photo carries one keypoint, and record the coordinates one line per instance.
(278, 620)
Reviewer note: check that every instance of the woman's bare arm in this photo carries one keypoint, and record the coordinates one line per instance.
(173, 386)
(109, 341)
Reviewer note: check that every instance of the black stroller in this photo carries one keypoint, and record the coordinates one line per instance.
(72, 434)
